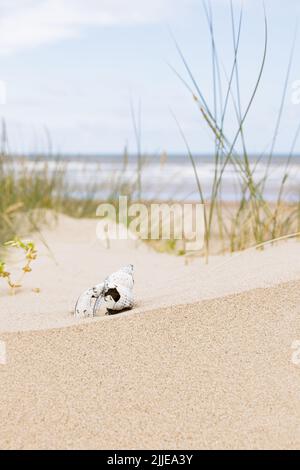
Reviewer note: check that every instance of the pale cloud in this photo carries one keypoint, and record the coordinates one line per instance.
(31, 23)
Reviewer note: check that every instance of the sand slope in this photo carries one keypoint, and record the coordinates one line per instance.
(80, 260)
(216, 374)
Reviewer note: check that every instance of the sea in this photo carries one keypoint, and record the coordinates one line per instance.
(171, 177)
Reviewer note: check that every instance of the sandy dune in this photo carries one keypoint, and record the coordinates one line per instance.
(203, 361)
(216, 374)
(78, 260)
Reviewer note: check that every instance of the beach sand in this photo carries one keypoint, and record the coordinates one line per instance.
(72, 259)
(203, 361)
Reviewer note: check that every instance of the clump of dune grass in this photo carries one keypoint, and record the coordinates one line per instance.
(253, 219)
(31, 187)
(28, 188)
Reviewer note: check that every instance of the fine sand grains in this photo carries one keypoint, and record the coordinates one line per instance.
(214, 374)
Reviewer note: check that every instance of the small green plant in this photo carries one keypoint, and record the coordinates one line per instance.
(30, 253)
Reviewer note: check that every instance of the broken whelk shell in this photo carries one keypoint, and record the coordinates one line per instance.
(115, 294)
(118, 291)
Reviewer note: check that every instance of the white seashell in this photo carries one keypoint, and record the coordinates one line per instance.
(115, 293)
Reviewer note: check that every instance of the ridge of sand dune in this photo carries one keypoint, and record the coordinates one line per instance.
(78, 260)
(215, 374)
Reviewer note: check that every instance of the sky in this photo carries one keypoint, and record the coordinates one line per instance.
(70, 69)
